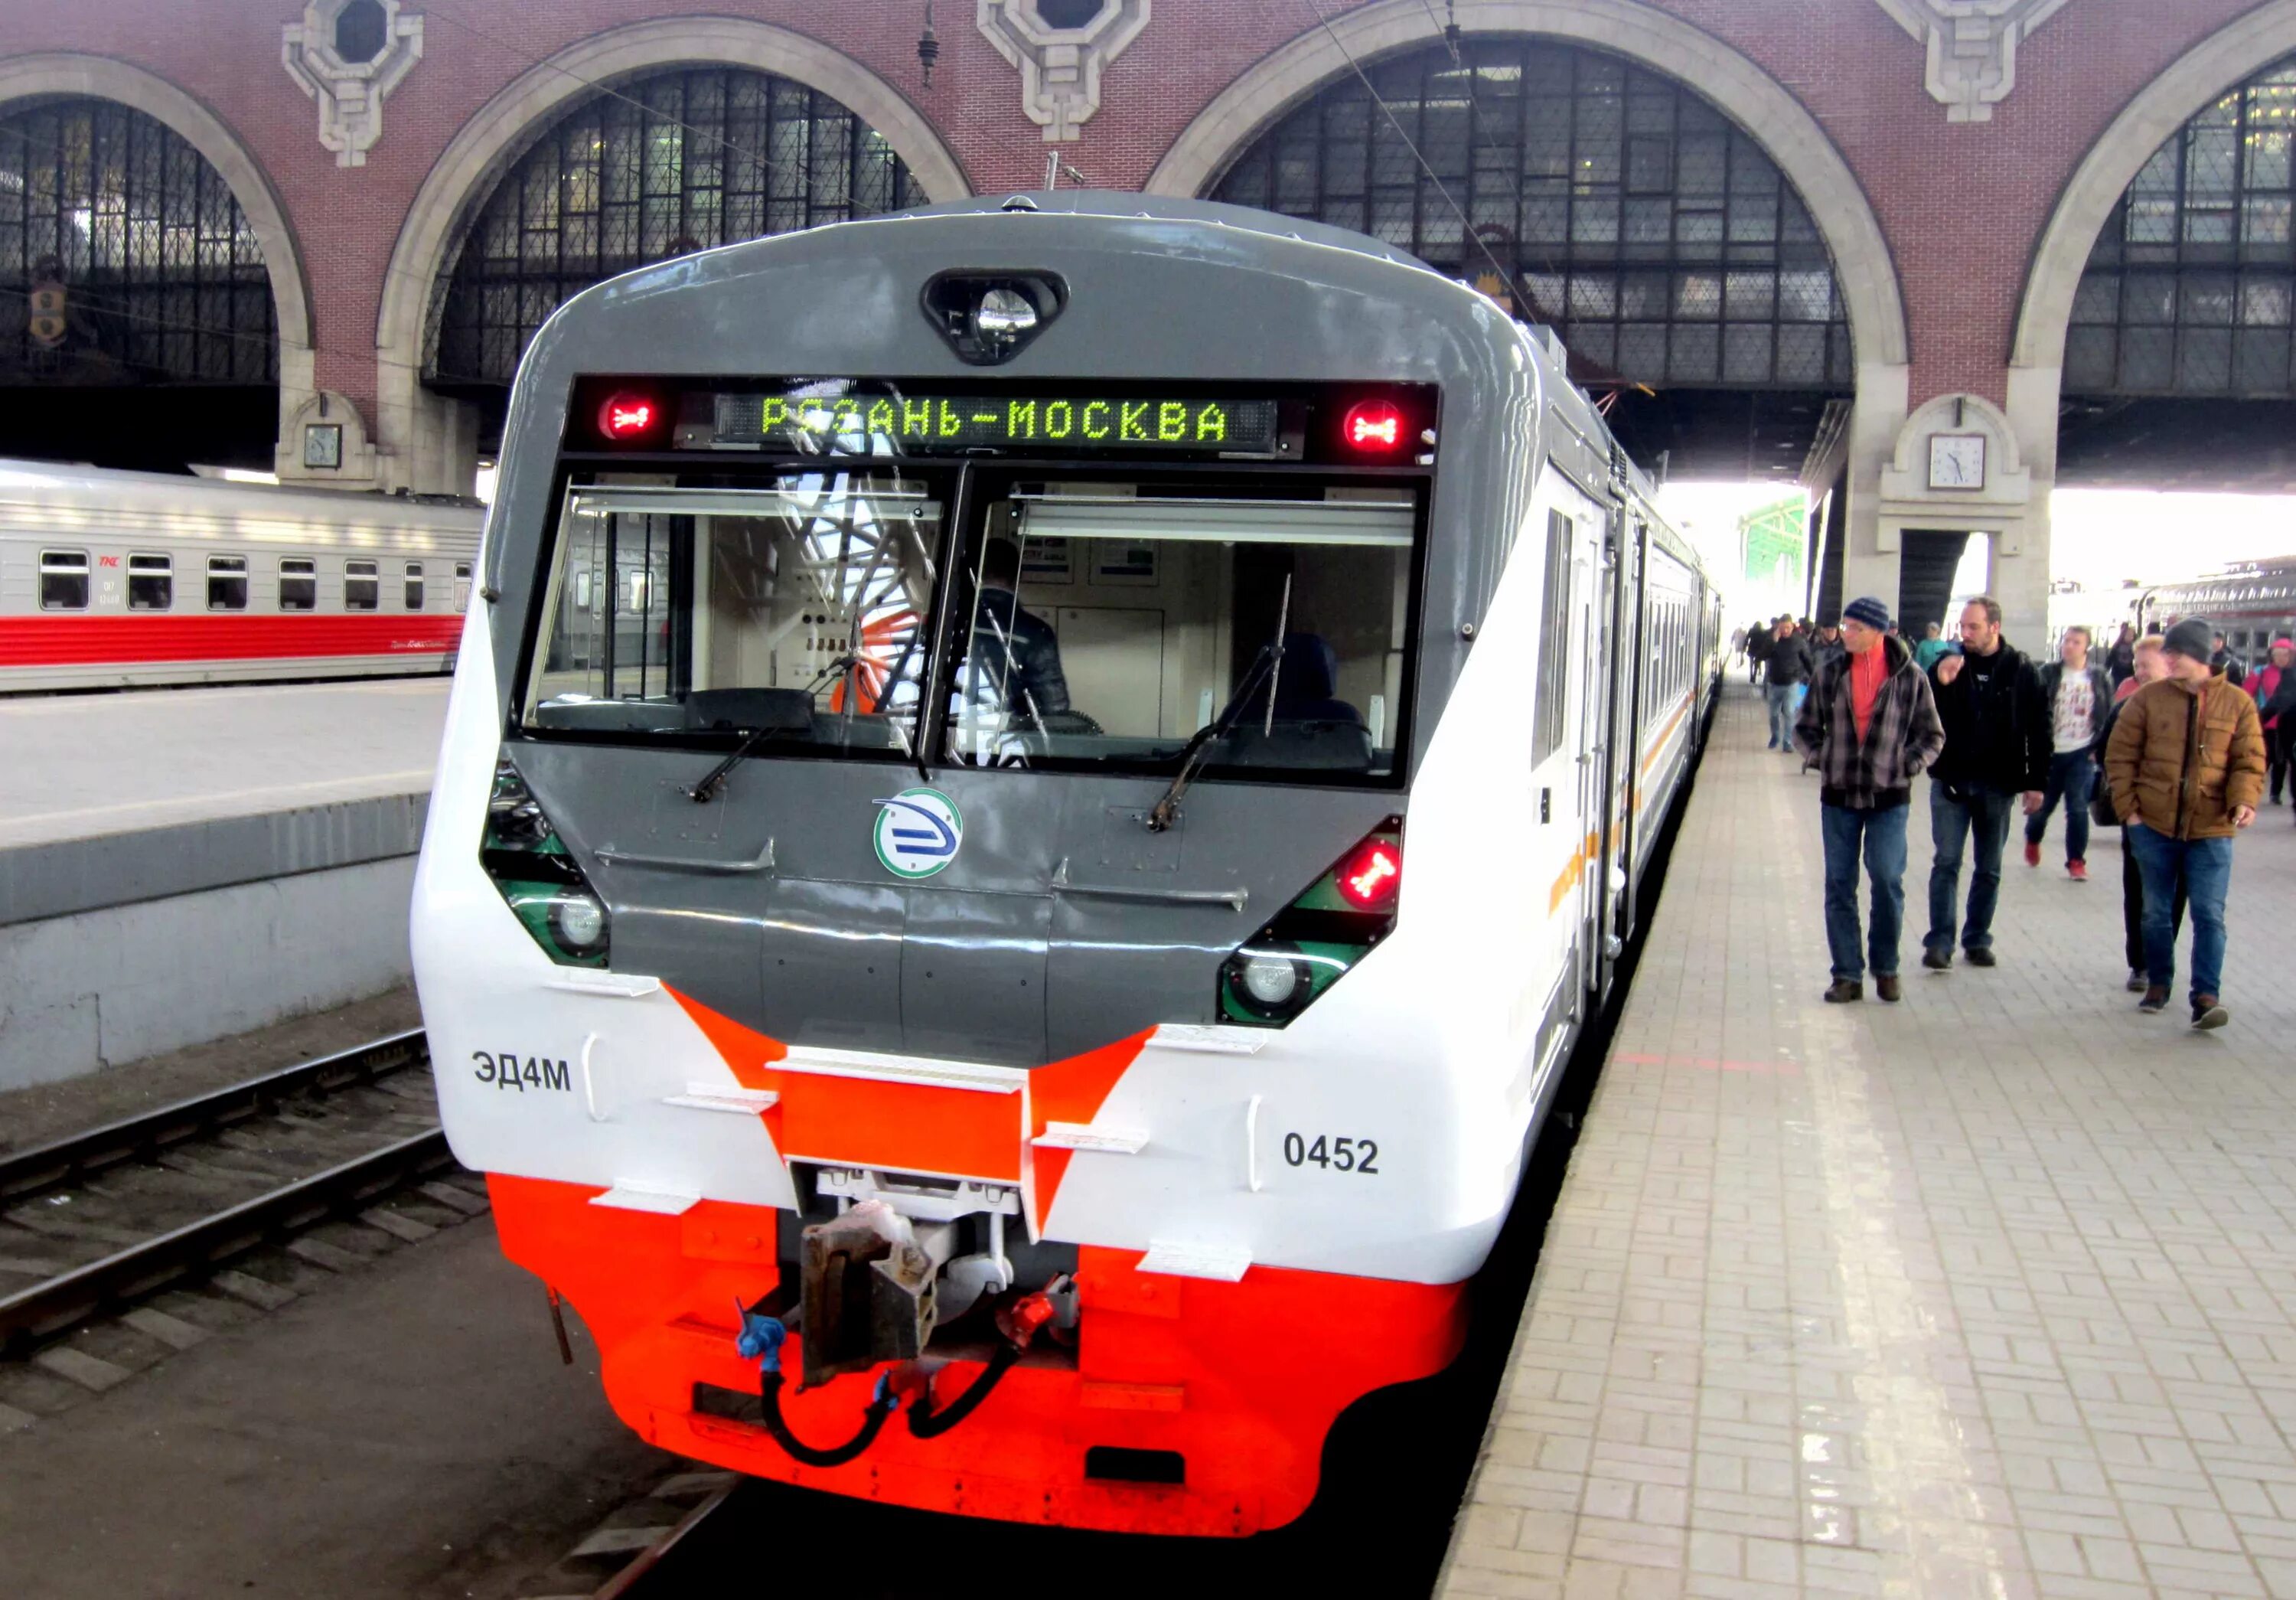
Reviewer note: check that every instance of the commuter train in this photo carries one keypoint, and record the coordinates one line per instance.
(2252, 605)
(1040, 795)
(109, 579)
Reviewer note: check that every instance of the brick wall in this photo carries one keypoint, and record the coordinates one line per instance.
(1962, 204)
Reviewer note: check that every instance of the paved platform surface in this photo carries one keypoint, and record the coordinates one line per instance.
(1991, 1292)
(85, 766)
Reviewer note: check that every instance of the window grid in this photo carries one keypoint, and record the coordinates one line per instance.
(675, 162)
(162, 274)
(1654, 234)
(2190, 287)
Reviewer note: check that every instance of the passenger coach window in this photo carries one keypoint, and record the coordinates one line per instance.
(414, 586)
(461, 585)
(1104, 628)
(362, 587)
(64, 580)
(299, 584)
(226, 583)
(794, 607)
(150, 583)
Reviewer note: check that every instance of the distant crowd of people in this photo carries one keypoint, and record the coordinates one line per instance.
(2165, 738)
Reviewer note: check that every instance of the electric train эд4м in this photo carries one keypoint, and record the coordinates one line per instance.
(1045, 793)
(110, 578)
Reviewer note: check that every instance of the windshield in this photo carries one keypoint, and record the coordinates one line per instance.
(794, 606)
(1108, 623)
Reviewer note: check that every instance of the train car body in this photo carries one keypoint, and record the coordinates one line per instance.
(109, 579)
(1096, 1085)
(2251, 605)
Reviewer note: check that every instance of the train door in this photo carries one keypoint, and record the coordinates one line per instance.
(1630, 537)
(1568, 736)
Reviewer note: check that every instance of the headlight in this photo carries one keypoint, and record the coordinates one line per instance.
(1313, 942)
(1004, 314)
(539, 879)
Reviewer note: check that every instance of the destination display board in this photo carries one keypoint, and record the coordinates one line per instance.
(1081, 421)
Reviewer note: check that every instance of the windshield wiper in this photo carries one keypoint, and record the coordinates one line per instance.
(1161, 816)
(714, 780)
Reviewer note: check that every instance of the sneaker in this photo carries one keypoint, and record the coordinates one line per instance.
(1887, 987)
(1936, 961)
(1844, 990)
(2155, 1000)
(2137, 982)
(1979, 954)
(2078, 871)
(2207, 1013)
(2032, 852)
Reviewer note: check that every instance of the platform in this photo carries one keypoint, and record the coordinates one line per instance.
(81, 766)
(158, 847)
(1991, 1292)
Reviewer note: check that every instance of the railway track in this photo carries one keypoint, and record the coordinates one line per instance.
(102, 1220)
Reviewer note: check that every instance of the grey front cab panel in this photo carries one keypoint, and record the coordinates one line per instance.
(1004, 956)
(993, 959)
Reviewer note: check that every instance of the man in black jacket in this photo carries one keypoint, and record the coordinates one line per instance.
(1996, 747)
(1017, 650)
(1787, 662)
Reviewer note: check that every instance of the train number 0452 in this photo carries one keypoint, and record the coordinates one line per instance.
(1342, 1155)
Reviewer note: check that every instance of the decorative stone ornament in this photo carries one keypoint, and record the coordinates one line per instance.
(349, 55)
(1060, 46)
(1973, 48)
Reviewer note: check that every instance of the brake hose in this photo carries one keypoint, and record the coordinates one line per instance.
(925, 1423)
(873, 1422)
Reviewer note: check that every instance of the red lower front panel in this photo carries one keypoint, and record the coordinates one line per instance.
(1240, 1381)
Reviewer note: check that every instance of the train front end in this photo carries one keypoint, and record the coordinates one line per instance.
(973, 910)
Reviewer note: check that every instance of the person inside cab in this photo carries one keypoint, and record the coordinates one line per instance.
(1017, 650)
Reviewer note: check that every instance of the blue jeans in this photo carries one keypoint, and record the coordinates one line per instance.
(2072, 778)
(1779, 699)
(1986, 814)
(1882, 834)
(2206, 866)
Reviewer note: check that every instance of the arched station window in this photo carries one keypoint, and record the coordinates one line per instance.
(657, 166)
(123, 257)
(2189, 287)
(1655, 234)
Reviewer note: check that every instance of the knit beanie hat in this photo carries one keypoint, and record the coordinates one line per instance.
(1869, 610)
(2192, 638)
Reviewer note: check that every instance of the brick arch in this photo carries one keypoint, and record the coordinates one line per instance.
(410, 423)
(2187, 86)
(100, 77)
(1729, 81)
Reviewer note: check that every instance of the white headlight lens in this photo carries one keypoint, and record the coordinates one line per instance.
(1004, 314)
(580, 921)
(1270, 979)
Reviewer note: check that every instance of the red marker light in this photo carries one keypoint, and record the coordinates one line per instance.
(627, 416)
(1371, 876)
(1373, 425)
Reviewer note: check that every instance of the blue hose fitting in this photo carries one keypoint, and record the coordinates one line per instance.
(760, 1340)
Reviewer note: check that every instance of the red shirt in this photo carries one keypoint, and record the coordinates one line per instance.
(1867, 670)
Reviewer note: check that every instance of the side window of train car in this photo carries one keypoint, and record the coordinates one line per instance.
(64, 580)
(362, 587)
(414, 586)
(299, 584)
(461, 585)
(150, 583)
(226, 583)
(1547, 723)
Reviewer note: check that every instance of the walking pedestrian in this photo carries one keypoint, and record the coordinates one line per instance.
(1786, 666)
(1997, 748)
(1869, 725)
(2276, 705)
(1758, 650)
(2147, 665)
(2187, 764)
(2221, 659)
(1932, 645)
(2077, 695)
(2120, 661)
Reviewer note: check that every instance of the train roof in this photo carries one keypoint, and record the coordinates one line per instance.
(46, 495)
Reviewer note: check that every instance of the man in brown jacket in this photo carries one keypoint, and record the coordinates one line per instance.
(2186, 764)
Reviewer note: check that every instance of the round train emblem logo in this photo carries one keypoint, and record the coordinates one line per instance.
(918, 830)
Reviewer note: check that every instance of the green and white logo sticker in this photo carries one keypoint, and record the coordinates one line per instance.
(918, 831)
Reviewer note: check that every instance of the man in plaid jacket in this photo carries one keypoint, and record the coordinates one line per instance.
(1870, 727)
